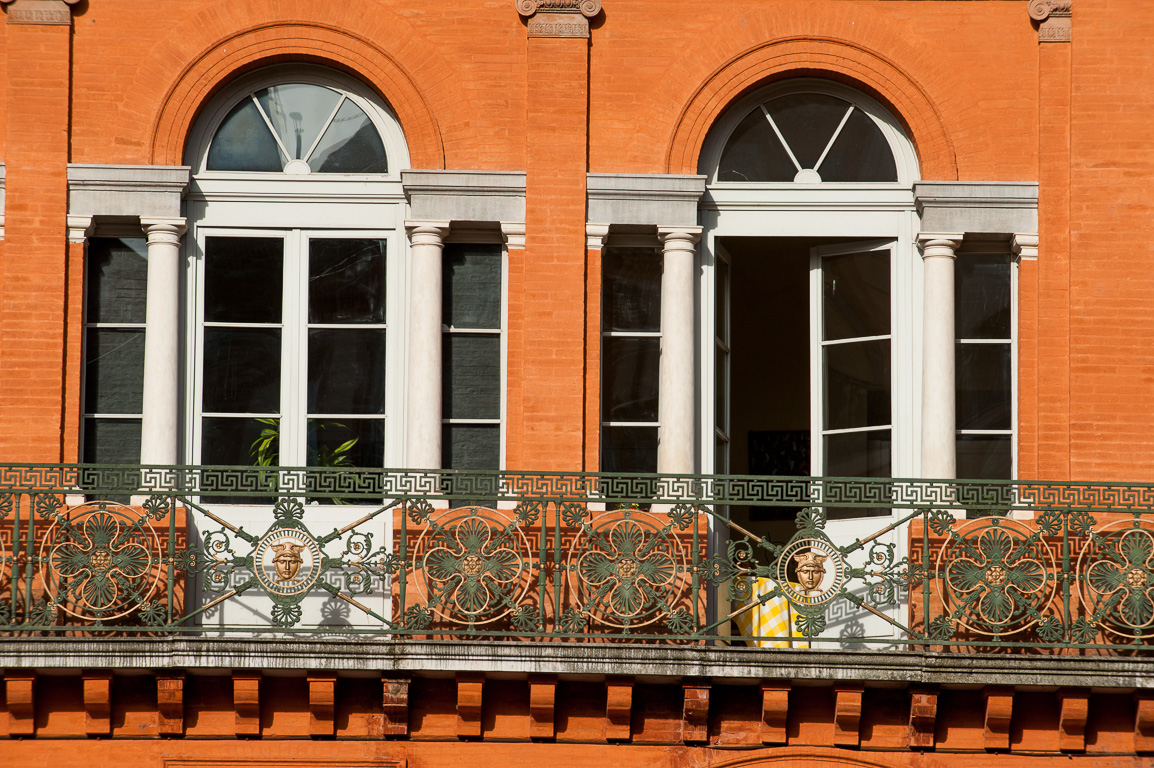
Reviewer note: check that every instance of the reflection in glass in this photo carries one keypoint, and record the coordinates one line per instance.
(471, 446)
(347, 281)
(244, 143)
(350, 145)
(629, 449)
(857, 295)
(857, 384)
(631, 289)
(860, 153)
(984, 396)
(117, 274)
(114, 373)
(754, 153)
(345, 443)
(111, 441)
(629, 378)
(807, 122)
(858, 454)
(472, 375)
(298, 112)
(242, 370)
(985, 457)
(982, 291)
(471, 295)
(346, 371)
(243, 279)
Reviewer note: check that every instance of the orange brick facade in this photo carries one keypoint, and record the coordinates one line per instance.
(981, 98)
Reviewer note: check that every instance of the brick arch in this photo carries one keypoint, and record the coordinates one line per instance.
(830, 58)
(793, 757)
(274, 43)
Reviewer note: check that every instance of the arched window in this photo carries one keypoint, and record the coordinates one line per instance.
(296, 308)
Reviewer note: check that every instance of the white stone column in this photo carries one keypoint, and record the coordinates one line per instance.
(161, 410)
(939, 459)
(675, 450)
(423, 374)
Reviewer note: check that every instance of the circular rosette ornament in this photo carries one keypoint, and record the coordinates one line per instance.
(287, 562)
(101, 561)
(475, 563)
(627, 569)
(1116, 578)
(817, 568)
(998, 576)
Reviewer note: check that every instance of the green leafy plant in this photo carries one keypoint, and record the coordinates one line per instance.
(265, 450)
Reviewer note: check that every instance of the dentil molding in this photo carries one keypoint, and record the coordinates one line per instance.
(43, 12)
(1055, 19)
(558, 18)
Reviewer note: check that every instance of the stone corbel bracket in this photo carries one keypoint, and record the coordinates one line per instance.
(1055, 19)
(558, 18)
(43, 12)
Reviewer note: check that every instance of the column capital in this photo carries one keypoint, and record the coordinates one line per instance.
(79, 228)
(41, 12)
(168, 230)
(1055, 19)
(1024, 246)
(674, 238)
(513, 233)
(595, 236)
(939, 245)
(427, 232)
(558, 18)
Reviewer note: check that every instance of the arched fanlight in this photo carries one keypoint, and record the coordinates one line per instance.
(297, 128)
(807, 138)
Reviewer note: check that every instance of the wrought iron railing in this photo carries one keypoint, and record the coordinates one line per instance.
(153, 551)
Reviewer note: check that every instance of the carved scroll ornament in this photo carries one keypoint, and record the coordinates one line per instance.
(587, 8)
(1054, 19)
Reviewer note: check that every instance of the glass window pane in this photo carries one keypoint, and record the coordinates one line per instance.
(629, 449)
(244, 143)
(983, 396)
(346, 371)
(237, 442)
(114, 370)
(350, 145)
(347, 281)
(721, 391)
(985, 457)
(754, 153)
(721, 305)
(858, 454)
(243, 278)
(298, 112)
(242, 370)
(860, 153)
(472, 376)
(111, 441)
(982, 290)
(471, 446)
(807, 122)
(857, 295)
(631, 289)
(857, 384)
(346, 443)
(471, 295)
(117, 278)
(629, 372)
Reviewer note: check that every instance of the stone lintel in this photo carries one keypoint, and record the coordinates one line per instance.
(476, 196)
(152, 191)
(644, 199)
(974, 207)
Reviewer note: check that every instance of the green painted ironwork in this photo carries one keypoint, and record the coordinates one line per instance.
(571, 557)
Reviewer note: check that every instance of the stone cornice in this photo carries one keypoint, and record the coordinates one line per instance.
(40, 12)
(1055, 19)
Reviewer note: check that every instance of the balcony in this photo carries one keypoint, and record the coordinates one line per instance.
(213, 552)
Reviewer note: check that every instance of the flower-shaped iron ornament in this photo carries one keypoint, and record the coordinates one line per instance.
(476, 564)
(628, 568)
(996, 579)
(1116, 578)
(101, 560)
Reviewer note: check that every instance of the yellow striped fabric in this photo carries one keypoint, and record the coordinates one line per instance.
(771, 619)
